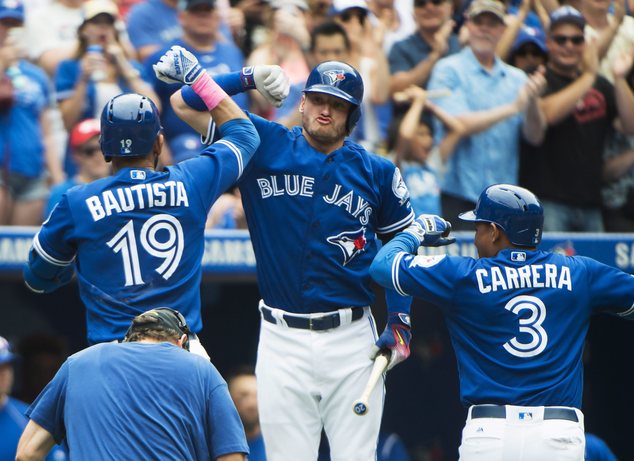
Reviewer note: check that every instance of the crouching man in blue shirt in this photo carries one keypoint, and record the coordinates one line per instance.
(145, 398)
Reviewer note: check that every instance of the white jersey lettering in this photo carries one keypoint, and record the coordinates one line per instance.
(288, 184)
(530, 276)
(137, 197)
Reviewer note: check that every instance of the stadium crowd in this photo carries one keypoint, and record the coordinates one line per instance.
(460, 94)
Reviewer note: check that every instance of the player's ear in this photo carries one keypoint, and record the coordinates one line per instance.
(301, 104)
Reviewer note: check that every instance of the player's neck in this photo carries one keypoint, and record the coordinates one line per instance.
(119, 164)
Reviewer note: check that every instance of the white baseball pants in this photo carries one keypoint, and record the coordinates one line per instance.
(308, 380)
(523, 435)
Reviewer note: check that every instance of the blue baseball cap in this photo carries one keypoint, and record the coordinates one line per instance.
(530, 35)
(567, 15)
(6, 356)
(12, 9)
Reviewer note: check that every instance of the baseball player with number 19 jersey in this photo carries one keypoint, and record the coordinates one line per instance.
(136, 238)
(316, 205)
(518, 319)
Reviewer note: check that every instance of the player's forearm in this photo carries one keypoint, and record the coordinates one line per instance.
(35, 443)
(242, 134)
(381, 267)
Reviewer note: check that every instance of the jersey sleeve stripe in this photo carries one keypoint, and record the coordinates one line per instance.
(236, 152)
(397, 225)
(48, 258)
(211, 131)
(396, 263)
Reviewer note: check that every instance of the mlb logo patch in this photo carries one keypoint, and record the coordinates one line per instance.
(526, 416)
(137, 174)
(518, 256)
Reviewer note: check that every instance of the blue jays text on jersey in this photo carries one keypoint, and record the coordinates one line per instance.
(537, 308)
(314, 219)
(137, 238)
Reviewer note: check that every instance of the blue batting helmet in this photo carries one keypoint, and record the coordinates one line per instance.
(340, 80)
(515, 209)
(129, 126)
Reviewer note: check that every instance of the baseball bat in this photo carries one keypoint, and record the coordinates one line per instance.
(361, 406)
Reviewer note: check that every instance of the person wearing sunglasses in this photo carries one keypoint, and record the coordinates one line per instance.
(86, 154)
(580, 108)
(412, 59)
(132, 400)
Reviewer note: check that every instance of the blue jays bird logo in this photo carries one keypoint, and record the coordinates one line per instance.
(351, 243)
(334, 76)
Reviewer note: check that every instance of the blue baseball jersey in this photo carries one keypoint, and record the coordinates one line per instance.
(517, 321)
(137, 238)
(314, 218)
(140, 401)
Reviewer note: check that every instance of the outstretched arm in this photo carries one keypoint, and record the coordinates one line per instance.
(35, 443)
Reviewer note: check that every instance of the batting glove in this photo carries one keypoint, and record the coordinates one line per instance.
(272, 83)
(178, 65)
(395, 338)
(431, 231)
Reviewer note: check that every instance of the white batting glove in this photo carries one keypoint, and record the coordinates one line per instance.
(272, 83)
(178, 65)
(431, 231)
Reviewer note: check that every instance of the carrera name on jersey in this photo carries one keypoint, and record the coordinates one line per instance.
(530, 276)
(303, 185)
(139, 196)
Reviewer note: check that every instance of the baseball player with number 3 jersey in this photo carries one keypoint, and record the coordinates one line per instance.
(518, 319)
(136, 238)
(316, 205)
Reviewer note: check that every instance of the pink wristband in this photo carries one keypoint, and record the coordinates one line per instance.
(209, 91)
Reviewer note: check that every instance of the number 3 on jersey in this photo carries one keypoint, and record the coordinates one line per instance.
(169, 249)
(531, 325)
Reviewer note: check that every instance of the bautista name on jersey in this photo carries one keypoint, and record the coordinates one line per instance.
(138, 197)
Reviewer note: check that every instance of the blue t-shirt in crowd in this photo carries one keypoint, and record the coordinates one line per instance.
(424, 190)
(140, 401)
(21, 136)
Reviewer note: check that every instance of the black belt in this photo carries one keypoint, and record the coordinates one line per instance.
(328, 321)
(498, 411)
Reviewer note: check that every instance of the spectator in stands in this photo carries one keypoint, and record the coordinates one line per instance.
(580, 108)
(495, 103)
(243, 391)
(199, 20)
(100, 69)
(412, 59)
(618, 177)
(419, 159)
(12, 418)
(287, 39)
(227, 212)
(28, 156)
(367, 56)
(614, 32)
(52, 32)
(86, 153)
(152, 25)
(396, 18)
(529, 51)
